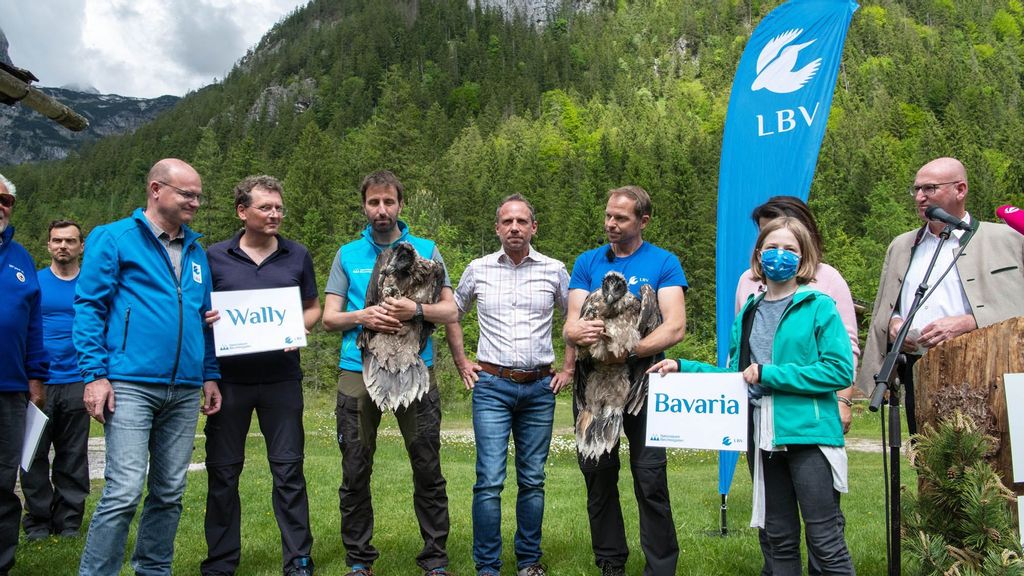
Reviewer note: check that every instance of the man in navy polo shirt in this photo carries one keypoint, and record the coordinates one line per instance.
(626, 215)
(358, 417)
(268, 382)
(56, 506)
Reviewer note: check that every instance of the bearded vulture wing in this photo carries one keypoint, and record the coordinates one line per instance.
(433, 282)
(585, 362)
(649, 320)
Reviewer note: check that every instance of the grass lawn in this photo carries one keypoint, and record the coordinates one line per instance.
(692, 480)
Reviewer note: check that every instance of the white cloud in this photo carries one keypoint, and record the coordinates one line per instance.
(136, 47)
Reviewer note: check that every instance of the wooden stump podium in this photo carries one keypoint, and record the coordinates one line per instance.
(966, 374)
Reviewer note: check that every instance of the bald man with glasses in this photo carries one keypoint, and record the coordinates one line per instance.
(146, 356)
(984, 288)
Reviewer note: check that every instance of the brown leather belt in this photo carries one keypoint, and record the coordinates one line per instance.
(517, 375)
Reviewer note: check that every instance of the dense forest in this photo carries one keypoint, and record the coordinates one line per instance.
(468, 105)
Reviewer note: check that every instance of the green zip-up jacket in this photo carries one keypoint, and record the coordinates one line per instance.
(811, 359)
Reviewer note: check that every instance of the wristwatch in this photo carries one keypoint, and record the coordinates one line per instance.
(419, 312)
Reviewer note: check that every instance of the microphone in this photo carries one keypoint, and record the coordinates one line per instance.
(938, 214)
(1013, 216)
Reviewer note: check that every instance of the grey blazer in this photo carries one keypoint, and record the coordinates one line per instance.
(991, 272)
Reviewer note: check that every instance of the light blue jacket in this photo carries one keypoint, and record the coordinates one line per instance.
(357, 259)
(134, 319)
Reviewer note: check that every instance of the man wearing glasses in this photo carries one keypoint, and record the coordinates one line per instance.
(984, 288)
(23, 366)
(145, 351)
(268, 382)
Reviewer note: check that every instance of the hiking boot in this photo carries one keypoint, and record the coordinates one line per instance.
(37, 535)
(302, 566)
(608, 570)
(533, 570)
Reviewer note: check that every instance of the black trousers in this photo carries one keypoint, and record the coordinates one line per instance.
(906, 375)
(650, 486)
(798, 485)
(278, 407)
(358, 418)
(55, 505)
(12, 434)
(767, 569)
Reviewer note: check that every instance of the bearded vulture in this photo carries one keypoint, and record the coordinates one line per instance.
(393, 371)
(604, 388)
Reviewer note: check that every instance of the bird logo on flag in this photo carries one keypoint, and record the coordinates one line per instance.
(776, 65)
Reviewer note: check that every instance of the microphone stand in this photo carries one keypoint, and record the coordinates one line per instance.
(886, 380)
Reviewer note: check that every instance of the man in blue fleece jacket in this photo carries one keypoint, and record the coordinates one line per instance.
(144, 351)
(23, 366)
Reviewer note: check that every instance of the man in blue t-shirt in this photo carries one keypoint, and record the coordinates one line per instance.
(358, 417)
(56, 505)
(626, 215)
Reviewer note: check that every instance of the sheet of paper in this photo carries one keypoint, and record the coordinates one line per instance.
(35, 423)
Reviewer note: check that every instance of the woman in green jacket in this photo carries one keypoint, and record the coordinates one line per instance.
(793, 351)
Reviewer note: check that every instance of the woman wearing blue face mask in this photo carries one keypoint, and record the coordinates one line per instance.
(792, 348)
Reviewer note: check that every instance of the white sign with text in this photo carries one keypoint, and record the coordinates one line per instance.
(258, 321)
(697, 411)
(1013, 385)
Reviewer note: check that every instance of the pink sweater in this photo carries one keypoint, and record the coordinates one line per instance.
(828, 280)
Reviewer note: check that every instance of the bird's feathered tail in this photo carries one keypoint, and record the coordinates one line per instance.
(599, 422)
(596, 434)
(394, 390)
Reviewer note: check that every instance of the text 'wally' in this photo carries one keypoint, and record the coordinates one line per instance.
(262, 315)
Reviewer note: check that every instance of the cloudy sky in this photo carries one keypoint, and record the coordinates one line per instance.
(143, 48)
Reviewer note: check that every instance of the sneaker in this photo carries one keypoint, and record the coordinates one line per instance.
(533, 570)
(361, 571)
(70, 533)
(608, 570)
(302, 566)
(442, 571)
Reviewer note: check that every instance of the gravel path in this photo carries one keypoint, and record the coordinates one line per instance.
(96, 459)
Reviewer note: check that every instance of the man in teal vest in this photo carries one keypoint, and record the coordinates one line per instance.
(358, 417)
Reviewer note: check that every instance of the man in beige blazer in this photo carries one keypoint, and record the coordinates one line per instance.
(985, 287)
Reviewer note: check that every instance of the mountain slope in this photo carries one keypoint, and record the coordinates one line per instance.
(27, 136)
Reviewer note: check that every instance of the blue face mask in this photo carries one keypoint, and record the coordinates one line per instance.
(778, 264)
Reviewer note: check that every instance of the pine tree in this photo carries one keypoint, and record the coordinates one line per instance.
(960, 521)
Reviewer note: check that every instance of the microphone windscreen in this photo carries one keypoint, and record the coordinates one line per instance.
(1013, 216)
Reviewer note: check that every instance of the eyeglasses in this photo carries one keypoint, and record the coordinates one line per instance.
(268, 210)
(7, 200)
(929, 189)
(186, 194)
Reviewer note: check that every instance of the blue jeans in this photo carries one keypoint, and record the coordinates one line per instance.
(526, 411)
(154, 424)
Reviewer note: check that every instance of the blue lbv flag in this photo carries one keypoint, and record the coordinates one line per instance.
(778, 110)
